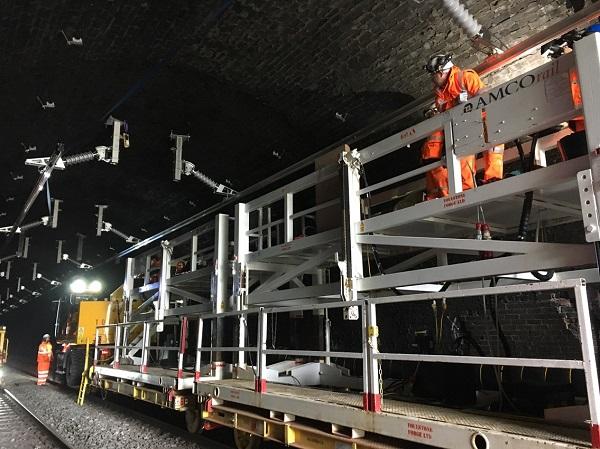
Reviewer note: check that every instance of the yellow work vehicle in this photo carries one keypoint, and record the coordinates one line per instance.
(3, 351)
(76, 319)
(3, 345)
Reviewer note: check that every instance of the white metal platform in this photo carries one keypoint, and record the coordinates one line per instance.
(159, 377)
(403, 420)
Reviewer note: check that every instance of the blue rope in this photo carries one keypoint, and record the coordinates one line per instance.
(48, 196)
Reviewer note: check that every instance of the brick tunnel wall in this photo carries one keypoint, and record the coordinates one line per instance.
(534, 325)
(361, 59)
(538, 325)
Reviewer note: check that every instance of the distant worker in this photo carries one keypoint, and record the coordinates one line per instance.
(181, 267)
(454, 86)
(155, 266)
(44, 358)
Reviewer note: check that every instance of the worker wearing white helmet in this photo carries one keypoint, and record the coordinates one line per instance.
(44, 358)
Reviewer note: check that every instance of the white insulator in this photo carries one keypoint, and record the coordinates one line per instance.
(466, 20)
(205, 179)
(80, 158)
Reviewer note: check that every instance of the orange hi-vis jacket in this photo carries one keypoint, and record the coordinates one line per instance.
(576, 124)
(44, 358)
(44, 352)
(458, 81)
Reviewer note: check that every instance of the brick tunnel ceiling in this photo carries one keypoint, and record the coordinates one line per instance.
(257, 84)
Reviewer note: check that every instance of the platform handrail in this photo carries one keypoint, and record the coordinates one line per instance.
(587, 363)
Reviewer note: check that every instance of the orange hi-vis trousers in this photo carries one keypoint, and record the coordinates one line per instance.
(493, 163)
(43, 368)
(436, 180)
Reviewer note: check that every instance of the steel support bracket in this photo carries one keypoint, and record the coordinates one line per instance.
(589, 208)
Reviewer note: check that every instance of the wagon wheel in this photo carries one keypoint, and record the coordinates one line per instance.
(245, 440)
(193, 420)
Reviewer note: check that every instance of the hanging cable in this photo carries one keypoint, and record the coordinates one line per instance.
(501, 339)
(528, 202)
(521, 156)
(527, 205)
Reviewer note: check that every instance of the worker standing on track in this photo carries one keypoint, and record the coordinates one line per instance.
(44, 358)
(454, 86)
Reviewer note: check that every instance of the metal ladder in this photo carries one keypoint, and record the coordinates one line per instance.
(84, 375)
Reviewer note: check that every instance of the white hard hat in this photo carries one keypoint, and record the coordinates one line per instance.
(46, 336)
(438, 63)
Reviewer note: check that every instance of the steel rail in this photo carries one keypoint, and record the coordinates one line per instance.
(148, 419)
(55, 436)
(490, 64)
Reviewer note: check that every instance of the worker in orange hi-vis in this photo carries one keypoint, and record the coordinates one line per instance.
(453, 86)
(44, 358)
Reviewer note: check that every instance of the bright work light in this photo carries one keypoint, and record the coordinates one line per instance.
(78, 286)
(95, 287)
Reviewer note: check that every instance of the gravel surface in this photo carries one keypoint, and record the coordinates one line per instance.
(19, 430)
(98, 423)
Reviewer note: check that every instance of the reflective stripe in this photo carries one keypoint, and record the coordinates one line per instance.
(461, 84)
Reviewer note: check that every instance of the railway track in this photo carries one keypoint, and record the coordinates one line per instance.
(21, 428)
(136, 410)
